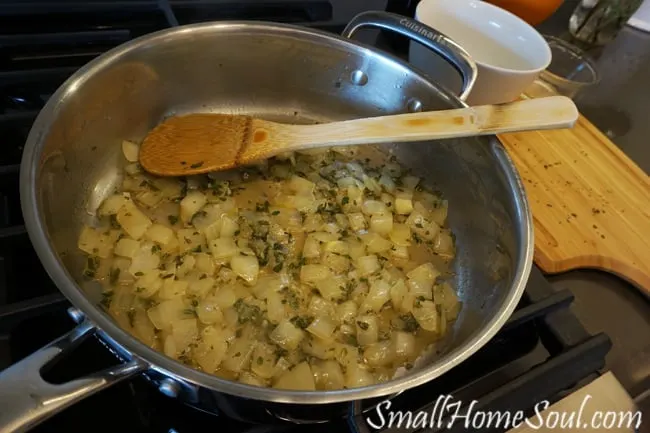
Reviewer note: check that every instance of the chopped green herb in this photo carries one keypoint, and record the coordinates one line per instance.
(114, 223)
(351, 340)
(114, 276)
(173, 219)
(155, 249)
(410, 324)
(260, 360)
(280, 352)
(190, 312)
(149, 303)
(248, 313)
(291, 298)
(164, 277)
(345, 200)
(107, 297)
(92, 264)
(363, 325)
(263, 207)
(275, 212)
(302, 322)
(131, 315)
(197, 164)
(277, 267)
(139, 274)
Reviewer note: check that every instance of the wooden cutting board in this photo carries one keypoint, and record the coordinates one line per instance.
(590, 202)
(600, 404)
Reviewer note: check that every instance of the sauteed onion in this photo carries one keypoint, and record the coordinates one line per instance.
(315, 271)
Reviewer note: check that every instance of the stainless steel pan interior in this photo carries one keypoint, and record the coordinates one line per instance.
(72, 160)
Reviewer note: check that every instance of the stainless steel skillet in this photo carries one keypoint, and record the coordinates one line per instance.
(71, 162)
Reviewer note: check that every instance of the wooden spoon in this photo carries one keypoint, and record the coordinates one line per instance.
(204, 142)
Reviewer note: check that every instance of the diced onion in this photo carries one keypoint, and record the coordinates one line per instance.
(300, 378)
(246, 267)
(310, 271)
(286, 335)
(191, 204)
(368, 265)
(130, 150)
(311, 274)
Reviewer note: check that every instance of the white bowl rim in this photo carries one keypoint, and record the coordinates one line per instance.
(495, 11)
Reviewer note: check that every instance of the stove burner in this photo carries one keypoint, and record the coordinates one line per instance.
(541, 353)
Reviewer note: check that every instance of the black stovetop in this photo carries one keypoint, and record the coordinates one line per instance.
(542, 353)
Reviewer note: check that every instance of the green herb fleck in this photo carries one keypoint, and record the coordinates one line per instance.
(131, 315)
(263, 207)
(301, 322)
(190, 312)
(92, 264)
(248, 313)
(197, 164)
(114, 276)
(410, 324)
(107, 298)
(275, 212)
(114, 223)
(363, 325)
(155, 249)
(351, 340)
(345, 200)
(260, 360)
(280, 352)
(139, 274)
(173, 219)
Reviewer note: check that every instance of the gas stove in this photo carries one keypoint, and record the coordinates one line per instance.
(542, 353)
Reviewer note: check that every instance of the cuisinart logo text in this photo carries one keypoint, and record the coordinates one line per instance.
(446, 413)
(419, 29)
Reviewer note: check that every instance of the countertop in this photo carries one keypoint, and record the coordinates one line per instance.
(619, 105)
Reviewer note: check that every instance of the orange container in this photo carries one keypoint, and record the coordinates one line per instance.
(531, 11)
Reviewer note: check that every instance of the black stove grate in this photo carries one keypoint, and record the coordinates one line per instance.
(542, 353)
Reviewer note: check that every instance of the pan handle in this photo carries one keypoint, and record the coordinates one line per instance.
(449, 50)
(27, 399)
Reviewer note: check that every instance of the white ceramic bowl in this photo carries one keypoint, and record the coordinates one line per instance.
(509, 52)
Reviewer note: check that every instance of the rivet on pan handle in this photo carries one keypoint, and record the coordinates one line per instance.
(449, 50)
(27, 399)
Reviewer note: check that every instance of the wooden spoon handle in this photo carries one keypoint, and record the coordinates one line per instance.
(533, 114)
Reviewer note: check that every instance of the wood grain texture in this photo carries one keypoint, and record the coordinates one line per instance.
(590, 202)
(588, 405)
(203, 142)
